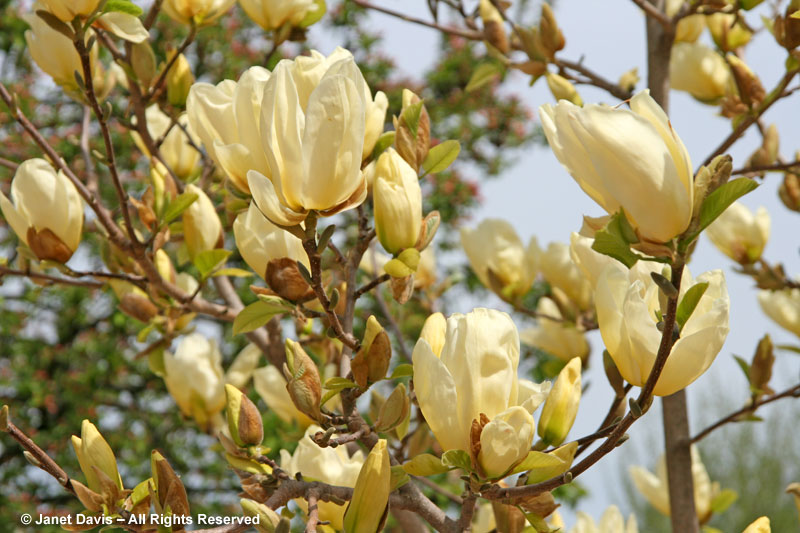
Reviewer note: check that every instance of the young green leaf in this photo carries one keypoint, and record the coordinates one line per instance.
(209, 260)
(441, 156)
(482, 75)
(122, 6)
(177, 206)
(689, 302)
(254, 316)
(719, 200)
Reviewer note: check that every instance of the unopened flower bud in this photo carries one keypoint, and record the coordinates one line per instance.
(398, 202)
(552, 40)
(561, 406)
(202, 229)
(563, 89)
(244, 420)
(169, 487)
(789, 191)
(727, 31)
(740, 234)
(761, 525)
(629, 79)
(368, 508)
(267, 518)
(284, 277)
(750, 90)
(413, 145)
(95, 458)
(787, 28)
(761, 367)
(179, 80)
(304, 385)
(493, 26)
(700, 71)
(133, 301)
(767, 153)
(372, 361)
(394, 410)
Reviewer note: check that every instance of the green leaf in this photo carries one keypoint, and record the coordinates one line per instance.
(615, 239)
(254, 316)
(538, 523)
(210, 260)
(719, 200)
(441, 156)
(411, 116)
(384, 141)
(122, 6)
(749, 4)
(155, 360)
(482, 75)
(328, 396)
(177, 206)
(424, 465)
(723, 500)
(398, 478)
(337, 383)
(537, 460)
(744, 365)
(457, 459)
(788, 348)
(689, 302)
(235, 272)
(402, 371)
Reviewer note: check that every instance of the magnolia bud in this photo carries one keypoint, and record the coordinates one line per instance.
(508, 518)
(629, 79)
(750, 90)
(398, 202)
(96, 458)
(761, 525)
(412, 145)
(761, 367)
(552, 40)
(199, 12)
(740, 234)
(202, 229)
(789, 191)
(143, 61)
(372, 361)
(394, 410)
(169, 488)
(368, 508)
(493, 26)
(179, 80)
(304, 385)
(561, 406)
(767, 153)
(133, 301)
(89, 498)
(787, 28)
(244, 420)
(267, 518)
(563, 89)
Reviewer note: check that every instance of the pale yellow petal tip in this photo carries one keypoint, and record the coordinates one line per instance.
(761, 525)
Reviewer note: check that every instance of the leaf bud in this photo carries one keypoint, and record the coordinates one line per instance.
(303, 381)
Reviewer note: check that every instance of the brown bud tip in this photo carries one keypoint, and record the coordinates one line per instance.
(251, 428)
(47, 246)
(283, 276)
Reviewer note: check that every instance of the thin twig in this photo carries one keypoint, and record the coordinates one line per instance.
(8, 163)
(652, 11)
(791, 392)
(595, 79)
(371, 285)
(467, 34)
(775, 167)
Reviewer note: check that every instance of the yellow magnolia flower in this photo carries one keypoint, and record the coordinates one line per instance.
(329, 465)
(562, 88)
(226, 118)
(474, 380)
(783, 307)
(626, 312)
(199, 11)
(655, 489)
(740, 234)
(123, 25)
(271, 386)
(243, 366)
(629, 159)
(700, 71)
(689, 28)
(260, 241)
(498, 257)
(398, 202)
(561, 272)
(181, 156)
(727, 32)
(55, 54)
(612, 521)
(563, 340)
(202, 229)
(313, 125)
(92, 450)
(45, 210)
(561, 406)
(272, 14)
(195, 379)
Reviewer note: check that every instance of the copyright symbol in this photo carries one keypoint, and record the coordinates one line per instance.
(26, 519)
